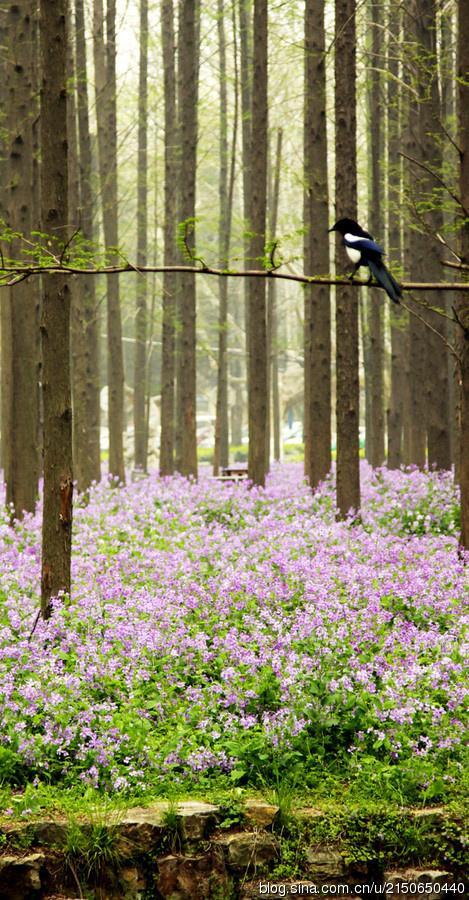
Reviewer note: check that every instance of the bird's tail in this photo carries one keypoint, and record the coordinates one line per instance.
(385, 279)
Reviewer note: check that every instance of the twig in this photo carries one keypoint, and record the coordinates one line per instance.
(437, 178)
(435, 331)
(67, 245)
(458, 320)
(453, 265)
(33, 629)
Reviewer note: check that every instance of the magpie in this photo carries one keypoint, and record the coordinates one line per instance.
(362, 250)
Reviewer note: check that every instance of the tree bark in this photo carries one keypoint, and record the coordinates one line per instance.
(221, 448)
(55, 324)
(462, 303)
(141, 314)
(23, 469)
(168, 359)
(272, 313)
(188, 75)
(257, 336)
(397, 403)
(105, 82)
(317, 306)
(347, 402)
(374, 300)
(88, 455)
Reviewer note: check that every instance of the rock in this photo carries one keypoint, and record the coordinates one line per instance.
(19, 875)
(260, 888)
(52, 833)
(427, 877)
(189, 877)
(260, 813)
(198, 819)
(133, 883)
(248, 850)
(324, 864)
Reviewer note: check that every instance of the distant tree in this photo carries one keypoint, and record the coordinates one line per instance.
(347, 401)
(168, 359)
(22, 471)
(104, 47)
(257, 337)
(317, 308)
(273, 407)
(141, 314)
(188, 80)
(225, 193)
(55, 324)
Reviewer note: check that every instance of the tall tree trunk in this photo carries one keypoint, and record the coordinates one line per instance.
(23, 470)
(188, 76)
(105, 81)
(397, 406)
(257, 337)
(221, 448)
(317, 305)
(272, 312)
(168, 359)
(430, 152)
(347, 402)
(246, 80)
(88, 456)
(374, 299)
(462, 303)
(142, 243)
(55, 324)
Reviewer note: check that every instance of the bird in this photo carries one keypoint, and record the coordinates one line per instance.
(362, 250)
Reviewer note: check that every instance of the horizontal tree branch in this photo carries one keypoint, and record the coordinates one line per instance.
(15, 274)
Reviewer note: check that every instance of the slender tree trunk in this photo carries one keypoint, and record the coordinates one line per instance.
(23, 470)
(221, 449)
(55, 325)
(347, 402)
(142, 243)
(272, 313)
(317, 305)
(397, 405)
(246, 77)
(374, 299)
(462, 303)
(257, 337)
(168, 358)
(188, 74)
(88, 430)
(430, 144)
(105, 81)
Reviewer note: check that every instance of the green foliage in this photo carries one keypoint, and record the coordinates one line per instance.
(11, 767)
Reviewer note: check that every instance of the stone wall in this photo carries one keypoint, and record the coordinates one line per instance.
(183, 852)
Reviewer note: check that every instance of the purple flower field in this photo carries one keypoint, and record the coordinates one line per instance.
(220, 634)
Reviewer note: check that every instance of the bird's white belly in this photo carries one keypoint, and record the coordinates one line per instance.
(354, 255)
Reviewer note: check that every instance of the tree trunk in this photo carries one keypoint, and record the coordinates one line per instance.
(462, 303)
(246, 77)
(272, 313)
(397, 410)
(87, 432)
(430, 146)
(257, 337)
(23, 469)
(374, 299)
(221, 448)
(347, 402)
(188, 75)
(140, 458)
(168, 359)
(105, 82)
(55, 324)
(317, 305)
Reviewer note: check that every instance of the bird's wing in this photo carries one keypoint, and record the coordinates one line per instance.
(361, 243)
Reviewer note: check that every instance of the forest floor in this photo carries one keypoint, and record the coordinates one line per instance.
(221, 639)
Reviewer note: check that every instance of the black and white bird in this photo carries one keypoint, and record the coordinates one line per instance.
(362, 250)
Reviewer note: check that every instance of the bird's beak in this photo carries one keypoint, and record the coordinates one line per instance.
(331, 229)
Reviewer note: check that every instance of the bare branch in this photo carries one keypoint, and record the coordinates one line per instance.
(437, 178)
(449, 346)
